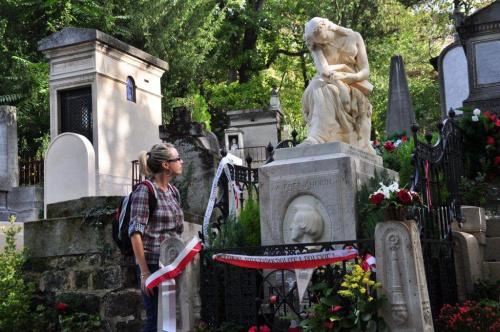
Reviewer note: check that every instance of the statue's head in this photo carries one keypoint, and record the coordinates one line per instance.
(316, 31)
(307, 224)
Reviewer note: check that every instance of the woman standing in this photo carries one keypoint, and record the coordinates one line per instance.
(161, 164)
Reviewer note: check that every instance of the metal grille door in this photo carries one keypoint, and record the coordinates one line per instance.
(76, 112)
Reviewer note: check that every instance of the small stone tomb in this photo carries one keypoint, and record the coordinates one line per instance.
(308, 194)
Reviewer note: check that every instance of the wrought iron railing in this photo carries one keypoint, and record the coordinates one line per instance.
(259, 154)
(31, 171)
(437, 172)
(241, 296)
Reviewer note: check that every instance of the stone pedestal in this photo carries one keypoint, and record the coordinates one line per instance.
(315, 184)
(400, 270)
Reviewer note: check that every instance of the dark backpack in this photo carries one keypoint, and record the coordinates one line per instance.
(121, 221)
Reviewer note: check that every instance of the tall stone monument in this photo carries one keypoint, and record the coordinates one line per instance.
(399, 108)
(9, 171)
(109, 93)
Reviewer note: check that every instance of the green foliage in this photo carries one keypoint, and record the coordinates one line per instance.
(15, 293)
(249, 217)
(473, 191)
(468, 316)
(486, 289)
(66, 312)
(230, 234)
(367, 216)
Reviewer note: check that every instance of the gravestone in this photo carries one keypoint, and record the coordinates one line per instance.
(400, 114)
(69, 169)
(480, 36)
(400, 269)
(188, 301)
(453, 77)
(109, 92)
(9, 171)
(199, 149)
(326, 178)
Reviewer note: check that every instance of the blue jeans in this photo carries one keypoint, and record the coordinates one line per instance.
(150, 303)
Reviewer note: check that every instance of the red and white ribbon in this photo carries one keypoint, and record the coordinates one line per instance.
(165, 278)
(428, 184)
(302, 261)
(369, 263)
(174, 269)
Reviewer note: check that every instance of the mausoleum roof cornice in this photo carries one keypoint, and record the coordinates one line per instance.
(73, 36)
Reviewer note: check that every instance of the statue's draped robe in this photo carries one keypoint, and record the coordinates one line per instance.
(329, 119)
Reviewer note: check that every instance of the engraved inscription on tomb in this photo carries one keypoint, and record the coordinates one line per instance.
(75, 65)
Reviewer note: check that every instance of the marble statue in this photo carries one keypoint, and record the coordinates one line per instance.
(234, 145)
(335, 104)
(307, 225)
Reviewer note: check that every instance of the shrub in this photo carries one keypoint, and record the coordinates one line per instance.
(15, 293)
(468, 316)
(250, 219)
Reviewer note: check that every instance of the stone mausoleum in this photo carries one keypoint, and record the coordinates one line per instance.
(103, 93)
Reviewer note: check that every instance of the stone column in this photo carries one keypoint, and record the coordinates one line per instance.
(9, 170)
(400, 270)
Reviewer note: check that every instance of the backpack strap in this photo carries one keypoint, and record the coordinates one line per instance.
(176, 192)
(152, 197)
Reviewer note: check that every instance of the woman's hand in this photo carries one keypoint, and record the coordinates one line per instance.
(347, 77)
(144, 277)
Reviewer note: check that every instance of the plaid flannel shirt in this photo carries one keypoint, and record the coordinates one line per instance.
(167, 220)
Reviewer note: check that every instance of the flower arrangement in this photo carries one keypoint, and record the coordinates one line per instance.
(392, 195)
(468, 316)
(354, 308)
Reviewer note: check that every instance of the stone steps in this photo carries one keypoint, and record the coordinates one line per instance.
(491, 266)
(493, 227)
(491, 270)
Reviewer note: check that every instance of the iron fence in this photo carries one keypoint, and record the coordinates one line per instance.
(241, 296)
(259, 154)
(437, 172)
(31, 171)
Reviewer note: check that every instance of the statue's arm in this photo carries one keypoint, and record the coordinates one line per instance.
(325, 69)
(362, 59)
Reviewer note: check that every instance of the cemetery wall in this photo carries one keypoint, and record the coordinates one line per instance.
(69, 254)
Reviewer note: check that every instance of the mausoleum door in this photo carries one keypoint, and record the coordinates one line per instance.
(76, 112)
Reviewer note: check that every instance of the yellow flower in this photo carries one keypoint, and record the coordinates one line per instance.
(371, 283)
(344, 284)
(370, 299)
(365, 280)
(362, 290)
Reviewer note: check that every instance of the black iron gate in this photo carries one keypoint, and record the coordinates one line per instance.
(76, 112)
(437, 171)
(241, 296)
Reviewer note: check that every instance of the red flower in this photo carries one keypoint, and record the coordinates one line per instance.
(488, 114)
(61, 306)
(404, 196)
(329, 325)
(272, 299)
(491, 140)
(377, 198)
(292, 329)
(262, 328)
(375, 143)
(389, 146)
(335, 308)
(404, 139)
(497, 123)
(497, 161)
